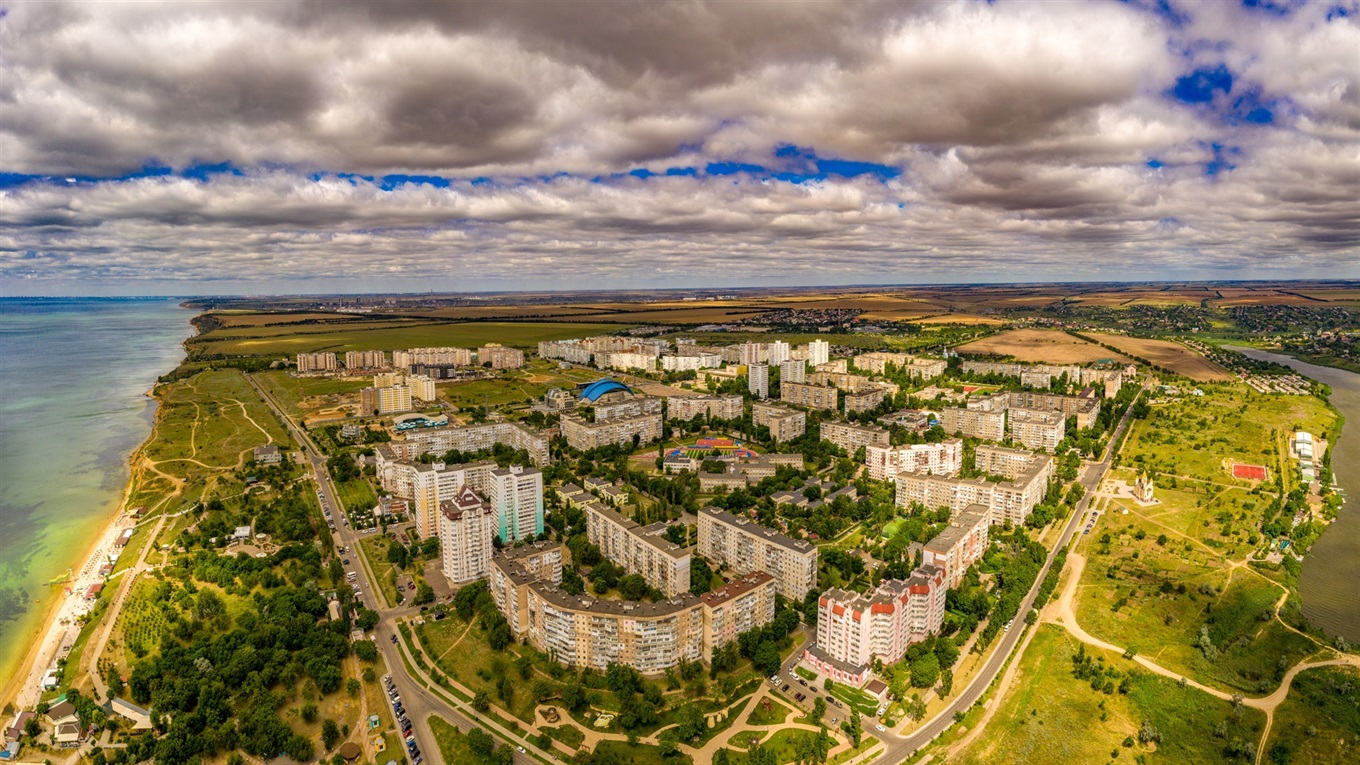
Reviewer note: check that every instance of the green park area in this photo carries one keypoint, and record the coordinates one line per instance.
(1073, 704)
(1319, 721)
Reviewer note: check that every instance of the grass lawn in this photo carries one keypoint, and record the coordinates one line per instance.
(375, 548)
(636, 754)
(805, 673)
(298, 395)
(451, 741)
(567, 734)
(777, 714)
(782, 744)
(1051, 716)
(855, 698)
(388, 335)
(1320, 719)
(358, 497)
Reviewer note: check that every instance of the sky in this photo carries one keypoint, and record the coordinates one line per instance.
(310, 147)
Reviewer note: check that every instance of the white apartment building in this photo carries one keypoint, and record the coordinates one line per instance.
(316, 362)
(567, 350)
(819, 352)
(629, 360)
(751, 353)
(467, 525)
(792, 370)
(1004, 461)
(444, 356)
(854, 629)
(777, 353)
(745, 546)
(639, 549)
(1009, 502)
(850, 436)
(681, 363)
(961, 544)
(685, 408)
(422, 388)
(475, 438)
(886, 462)
(517, 496)
(500, 357)
(1037, 429)
(877, 362)
(584, 435)
(427, 484)
(758, 380)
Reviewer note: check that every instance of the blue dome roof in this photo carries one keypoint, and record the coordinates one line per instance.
(602, 386)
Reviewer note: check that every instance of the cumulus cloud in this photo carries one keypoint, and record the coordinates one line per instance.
(469, 144)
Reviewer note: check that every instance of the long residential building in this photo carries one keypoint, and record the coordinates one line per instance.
(741, 605)
(1036, 428)
(745, 546)
(1086, 408)
(467, 525)
(1004, 461)
(785, 424)
(960, 544)
(686, 408)
(582, 434)
(500, 357)
(855, 629)
(886, 462)
(850, 436)
(316, 362)
(639, 549)
(365, 359)
(865, 401)
(988, 425)
(1008, 502)
(876, 362)
(626, 407)
(567, 350)
(474, 438)
(438, 357)
(811, 396)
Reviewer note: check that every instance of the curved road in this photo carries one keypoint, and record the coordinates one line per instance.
(899, 748)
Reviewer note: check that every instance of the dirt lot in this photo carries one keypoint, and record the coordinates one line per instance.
(1040, 345)
(1173, 356)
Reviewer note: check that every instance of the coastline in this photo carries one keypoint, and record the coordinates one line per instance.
(22, 689)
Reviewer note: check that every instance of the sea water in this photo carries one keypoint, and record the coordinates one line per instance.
(73, 407)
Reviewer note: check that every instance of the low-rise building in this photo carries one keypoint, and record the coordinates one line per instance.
(915, 420)
(745, 546)
(269, 454)
(850, 436)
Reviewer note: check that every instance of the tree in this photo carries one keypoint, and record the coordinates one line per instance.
(946, 682)
(852, 728)
(330, 733)
(481, 702)
(366, 650)
(368, 619)
(818, 709)
(700, 575)
(309, 711)
(925, 671)
(766, 659)
(424, 593)
(632, 587)
(480, 743)
(352, 687)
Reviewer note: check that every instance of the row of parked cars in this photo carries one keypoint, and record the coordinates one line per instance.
(403, 722)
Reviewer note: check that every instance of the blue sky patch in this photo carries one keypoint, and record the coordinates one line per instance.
(1199, 86)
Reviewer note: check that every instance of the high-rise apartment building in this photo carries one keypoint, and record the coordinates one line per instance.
(758, 380)
(745, 546)
(686, 408)
(741, 605)
(777, 353)
(1009, 502)
(435, 357)
(886, 462)
(819, 352)
(467, 525)
(792, 370)
(785, 424)
(642, 550)
(850, 436)
(475, 438)
(500, 357)
(365, 359)
(811, 396)
(316, 362)
(960, 544)
(1037, 429)
(422, 388)
(517, 496)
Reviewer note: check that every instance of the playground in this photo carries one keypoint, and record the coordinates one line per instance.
(708, 447)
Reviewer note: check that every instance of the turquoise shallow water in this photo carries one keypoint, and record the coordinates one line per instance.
(75, 373)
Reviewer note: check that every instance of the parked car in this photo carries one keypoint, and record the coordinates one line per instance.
(880, 727)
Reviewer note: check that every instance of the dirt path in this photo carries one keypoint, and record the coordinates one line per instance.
(245, 413)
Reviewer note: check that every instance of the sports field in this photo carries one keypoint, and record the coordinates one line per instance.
(1249, 472)
(1040, 345)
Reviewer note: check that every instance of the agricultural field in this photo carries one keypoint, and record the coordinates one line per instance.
(1320, 719)
(387, 336)
(1168, 355)
(1040, 345)
(272, 318)
(1053, 716)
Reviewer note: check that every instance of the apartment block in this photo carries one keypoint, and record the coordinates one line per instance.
(392, 399)
(427, 484)
(500, 357)
(629, 360)
(886, 462)
(855, 629)
(793, 371)
(435, 357)
(316, 362)
(877, 363)
(818, 352)
(571, 351)
(850, 437)
(624, 408)
(1008, 502)
(865, 400)
(758, 380)
(686, 408)
(422, 388)
(811, 396)
(785, 424)
(517, 496)
(584, 435)
(467, 525)
(960, 544)
(1037, 429)
(365, 359)
(974, 423)
(639, 549)
(741, 605)
(475, 438)
(681, 363)
(745, 546)
(1004, 461)
(513, 569)
(1086, 408)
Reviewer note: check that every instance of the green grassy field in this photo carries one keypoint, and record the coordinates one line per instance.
(777, 714)
(1320, 719)
(1051, 716)
(782, 744)
(638, 754)
(451, 741)
(375, 548)
(288, 340)
(322, 391)
(357, 496)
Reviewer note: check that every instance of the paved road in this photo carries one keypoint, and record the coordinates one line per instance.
(418, 702)
(899, 748)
